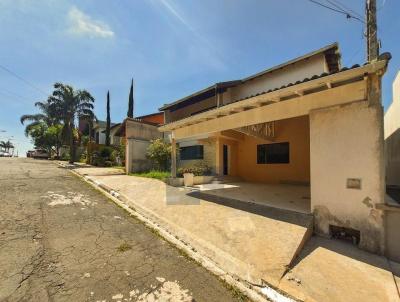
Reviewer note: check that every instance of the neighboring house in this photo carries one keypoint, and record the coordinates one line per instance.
(392, 137)
(392, 160)
(99, 132)
(137, 133)
(114, 139)
(307, 121)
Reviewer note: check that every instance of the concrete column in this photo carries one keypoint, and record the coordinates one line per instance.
(128, 156)
(217, 156)
(173, 157)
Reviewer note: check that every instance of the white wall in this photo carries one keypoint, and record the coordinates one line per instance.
(347, 142)
(392, 136)
(313, 66)
(102, 136)
(136, 152)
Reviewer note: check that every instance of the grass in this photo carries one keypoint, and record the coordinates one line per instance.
(161, 175)
(124, 247)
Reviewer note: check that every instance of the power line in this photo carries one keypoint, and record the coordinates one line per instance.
(23, 80)
(345, 8)
(347, 14)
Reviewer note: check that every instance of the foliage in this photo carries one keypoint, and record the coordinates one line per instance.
(60, 110)
(46, 137)
(161, 175)
(6, 145)
(105, 152)
(130, 103)
(159, 152)
(124, 247)
(47, 116)
(108, 122)
(198, 170)
(69, 104)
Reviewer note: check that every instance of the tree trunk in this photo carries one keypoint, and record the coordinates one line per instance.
(71, 145)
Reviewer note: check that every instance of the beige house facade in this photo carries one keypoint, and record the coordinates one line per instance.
(392, 161)
(307, 122)
(137, 134)
(392, 136)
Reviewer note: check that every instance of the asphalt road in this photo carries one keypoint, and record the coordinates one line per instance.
(61, 240)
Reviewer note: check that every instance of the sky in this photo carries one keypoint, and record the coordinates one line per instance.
(171, 48)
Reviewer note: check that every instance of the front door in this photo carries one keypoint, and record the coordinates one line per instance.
(225, 159)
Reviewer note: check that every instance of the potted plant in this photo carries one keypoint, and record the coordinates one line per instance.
(188, 177)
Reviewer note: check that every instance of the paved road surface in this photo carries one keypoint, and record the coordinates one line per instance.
(61, 240)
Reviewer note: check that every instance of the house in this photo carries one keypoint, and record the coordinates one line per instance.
(392, 161)
(98, 131)
(392, 137)
(114, 139)
(137, 133)
(308, 127)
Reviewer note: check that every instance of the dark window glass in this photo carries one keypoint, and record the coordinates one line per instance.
(273, 153)
(191, 152)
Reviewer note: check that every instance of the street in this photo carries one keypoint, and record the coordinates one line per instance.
(61, 240)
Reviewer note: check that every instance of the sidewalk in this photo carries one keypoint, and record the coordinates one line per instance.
(257, 246)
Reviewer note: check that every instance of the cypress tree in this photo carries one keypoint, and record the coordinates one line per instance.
(108, 125)
(130, 105)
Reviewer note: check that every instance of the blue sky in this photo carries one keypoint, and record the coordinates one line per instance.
(171, 48)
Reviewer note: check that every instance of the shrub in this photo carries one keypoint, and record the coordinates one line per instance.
(108, 163)
(105, 152)
(197, 170)
(159, 152)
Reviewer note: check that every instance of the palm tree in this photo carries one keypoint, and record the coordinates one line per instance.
(6, 146)
(69, 105)
(47, 116)
(3, 145)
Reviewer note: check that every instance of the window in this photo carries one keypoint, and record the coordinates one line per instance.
(191, 152)
(273, 153)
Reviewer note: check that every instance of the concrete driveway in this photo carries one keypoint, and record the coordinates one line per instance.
(257, 242)
(61, 240)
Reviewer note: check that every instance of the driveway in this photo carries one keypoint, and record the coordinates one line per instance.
(61, 240)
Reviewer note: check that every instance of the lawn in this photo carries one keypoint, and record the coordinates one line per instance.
(161, 175)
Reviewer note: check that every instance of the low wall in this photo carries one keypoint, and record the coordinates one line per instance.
(347, 171)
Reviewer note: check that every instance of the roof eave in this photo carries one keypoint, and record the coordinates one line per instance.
(318, 82)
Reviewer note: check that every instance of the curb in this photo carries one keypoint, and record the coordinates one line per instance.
(254, 292)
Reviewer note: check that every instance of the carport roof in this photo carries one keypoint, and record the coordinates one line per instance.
(301, 87)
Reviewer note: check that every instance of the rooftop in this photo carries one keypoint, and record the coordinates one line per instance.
(330, 51)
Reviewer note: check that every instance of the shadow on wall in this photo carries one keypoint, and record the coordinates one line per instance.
(392, 153)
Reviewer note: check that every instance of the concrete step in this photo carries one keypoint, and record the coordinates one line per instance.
(226, 179)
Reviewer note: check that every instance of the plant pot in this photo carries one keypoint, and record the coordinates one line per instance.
(188, 179)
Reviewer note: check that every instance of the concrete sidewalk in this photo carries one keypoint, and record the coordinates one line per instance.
(257, 244)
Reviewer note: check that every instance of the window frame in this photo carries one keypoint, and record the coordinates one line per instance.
(197, 155)
(264, 155)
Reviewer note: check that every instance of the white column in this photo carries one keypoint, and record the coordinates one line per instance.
(173, 157)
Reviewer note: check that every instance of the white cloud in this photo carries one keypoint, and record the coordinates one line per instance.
(83, 25)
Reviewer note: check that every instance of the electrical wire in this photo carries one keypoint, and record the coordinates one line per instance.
(347, 14)
(23, 80)
(345, 8)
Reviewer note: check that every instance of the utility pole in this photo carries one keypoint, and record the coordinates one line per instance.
(372, 31)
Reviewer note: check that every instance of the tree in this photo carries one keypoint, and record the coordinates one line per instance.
(108, 125)
(130, 104)
(6, 145)
(47, 115)
(159, 152)
(70, 104)
(48, 138)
